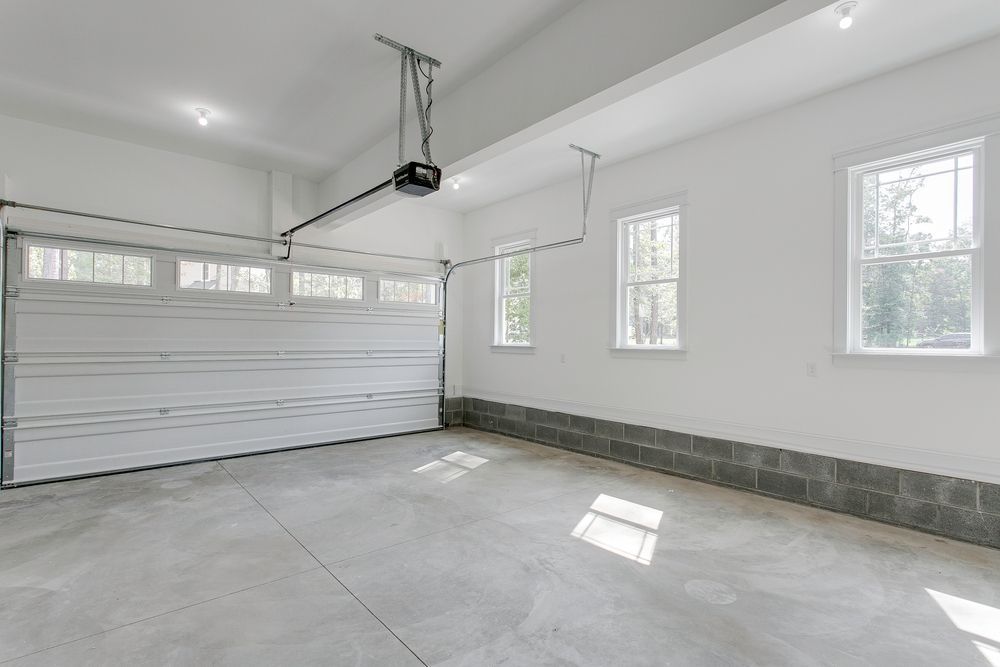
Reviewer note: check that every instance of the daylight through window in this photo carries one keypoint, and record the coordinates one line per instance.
(223, 277)
(916, 253)
(327, 285)
(513, 295)
(87, 266)
(403, 291)
(649, 278)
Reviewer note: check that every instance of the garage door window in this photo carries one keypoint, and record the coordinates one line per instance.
(223, 277)
(403, 291)
(88, 266)
(327, 285)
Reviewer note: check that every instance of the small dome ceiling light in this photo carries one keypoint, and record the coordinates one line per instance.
(203, 115)
(455, 185)
(844, 10)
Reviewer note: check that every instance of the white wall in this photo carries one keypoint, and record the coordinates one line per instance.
(760, 290)
(68, 169)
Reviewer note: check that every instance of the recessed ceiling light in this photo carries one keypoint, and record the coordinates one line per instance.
(203, 115)
(455, 185)
(844, 10)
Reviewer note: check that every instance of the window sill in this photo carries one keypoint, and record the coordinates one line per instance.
(916, 361)
(513, 349)
(648, 353)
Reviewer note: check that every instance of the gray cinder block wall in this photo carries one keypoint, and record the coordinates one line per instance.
(962, 509)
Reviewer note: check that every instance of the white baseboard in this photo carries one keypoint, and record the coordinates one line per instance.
(880, 453)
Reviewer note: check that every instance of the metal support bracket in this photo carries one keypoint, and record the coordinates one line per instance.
(8, 451)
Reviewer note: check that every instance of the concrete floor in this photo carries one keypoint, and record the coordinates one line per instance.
(463, 548)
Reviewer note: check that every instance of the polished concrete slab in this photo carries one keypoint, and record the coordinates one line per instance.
(465, 548)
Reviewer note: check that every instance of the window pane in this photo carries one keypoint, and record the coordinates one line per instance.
(517, 278)
(138, 271)
(516, 320)
(320, 285)
(925, 303)
(297, 283)
(45, 263)
(216, 277)
(239, 279)
(353, 287)
(652, 248)
(652, 314)
(79, 265)
(920, 208)
(260, 281)
(933, 166)
(192, 275)
(108, 268)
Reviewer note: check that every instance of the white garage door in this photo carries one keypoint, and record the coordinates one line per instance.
(120, 358)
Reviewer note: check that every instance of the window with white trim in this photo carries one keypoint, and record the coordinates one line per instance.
(327, 285)
(223, 277)
(88, 266)
(512, 298)
(407, 291)
(650, 289)
(916, 252)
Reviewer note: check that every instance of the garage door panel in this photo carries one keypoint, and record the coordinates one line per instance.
(115, 378)
(40, 395)
(54, 452)
(47, 365)
(40, 299)
(41, 332)
(119, 402)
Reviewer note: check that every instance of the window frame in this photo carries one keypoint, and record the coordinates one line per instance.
(219, 292)
(500, 246)
(852, 259)
(620, 218)
(327, 299)
(29, 242)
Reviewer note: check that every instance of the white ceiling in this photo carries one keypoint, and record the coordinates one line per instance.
(800, 60)
(295, 85)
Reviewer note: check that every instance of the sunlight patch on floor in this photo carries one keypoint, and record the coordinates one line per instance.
(451, 467)
(622, 527)
(975, 618)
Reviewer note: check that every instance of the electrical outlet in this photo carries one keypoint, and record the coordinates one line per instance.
(811, 369)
